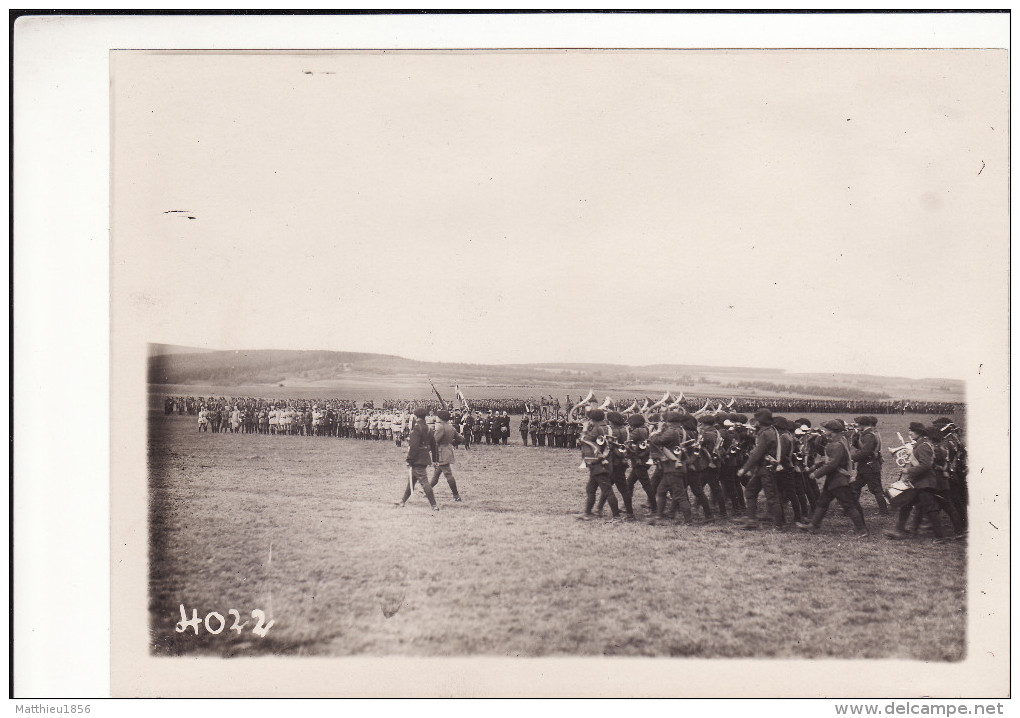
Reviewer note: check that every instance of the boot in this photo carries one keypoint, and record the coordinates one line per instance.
(752, 513)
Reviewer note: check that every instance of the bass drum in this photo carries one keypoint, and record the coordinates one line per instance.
(899, 487)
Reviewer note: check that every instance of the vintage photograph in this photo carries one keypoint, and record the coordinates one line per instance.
(558, 353)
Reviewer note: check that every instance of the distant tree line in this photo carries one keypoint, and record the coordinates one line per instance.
(837, 391)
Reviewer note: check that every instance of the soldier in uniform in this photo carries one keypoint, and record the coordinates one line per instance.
(544, 433)
(420, 453)
(523, 428)
(595, 457)
(467, 427)
(922, 476)
(670, 468)
(836, 471)
(617, 439)
(445, 435)
(573, 431)
(504, 429)
(786, 477)
(732, 458)
(956, 463)
(761, 472)
(867, 454)
(705, 464)
(534, 426)
(478, 428)
(638, 452)
(692, 480)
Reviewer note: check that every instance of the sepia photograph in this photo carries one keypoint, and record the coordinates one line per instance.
(629, 360)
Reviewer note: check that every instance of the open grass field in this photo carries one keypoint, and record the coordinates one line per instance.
(304, 529)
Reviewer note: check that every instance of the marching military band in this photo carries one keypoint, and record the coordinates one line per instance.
(716, 462)
(720, 462)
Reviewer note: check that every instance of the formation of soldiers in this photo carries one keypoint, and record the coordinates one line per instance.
(721, 462)
(717, 462)
(550, 407)
(749, 405)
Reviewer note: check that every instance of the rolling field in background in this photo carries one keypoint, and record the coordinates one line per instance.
(304, 529)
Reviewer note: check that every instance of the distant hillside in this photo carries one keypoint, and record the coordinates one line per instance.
(160, 349)
(270, 367)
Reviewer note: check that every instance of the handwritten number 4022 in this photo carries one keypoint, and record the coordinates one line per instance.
(215, 623)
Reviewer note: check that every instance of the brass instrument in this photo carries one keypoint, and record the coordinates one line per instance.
(601, 449)
(904, 452)
(570, 413)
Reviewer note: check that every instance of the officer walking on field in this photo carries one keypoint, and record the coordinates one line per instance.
(445, 435)
(421, 449)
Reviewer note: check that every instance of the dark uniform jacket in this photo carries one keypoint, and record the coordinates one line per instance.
(669, 438)
(590, 454)
(837, 467)
(639, 456)
(764, 445)
(921, 472)
(868, 451)
(421, 444)
(709, 442)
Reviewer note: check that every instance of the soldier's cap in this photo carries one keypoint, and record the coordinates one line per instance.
(636, 420)
(763, 416)
(616, 418)
(739, 418)
(597, 415)
(689, 422)
(835, 425)
(782, 423)
(673, 417)
(866, 421)
(804, 422)
(708, 419)
(421, 413)
(443, 415)
(917, 427)
(941, 421)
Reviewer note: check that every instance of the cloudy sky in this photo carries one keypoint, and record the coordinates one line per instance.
(838, 211)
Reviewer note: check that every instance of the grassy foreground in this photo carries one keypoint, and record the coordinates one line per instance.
(509, 571)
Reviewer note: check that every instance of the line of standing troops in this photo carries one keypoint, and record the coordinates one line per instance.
(724, 462)
(556, 432)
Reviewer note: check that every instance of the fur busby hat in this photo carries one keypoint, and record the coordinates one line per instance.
(673, 417)
(836, 425)
(916, 427)
(782, 423)
(804, 422)
(655, 418)
(707, 419)
(689, 422)
(739, 418)
(597, 415)
(941, 421)
(421, 413)
(616, 418)
(763, 416)
(443, 415)
(866, 421)
(636, 421)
